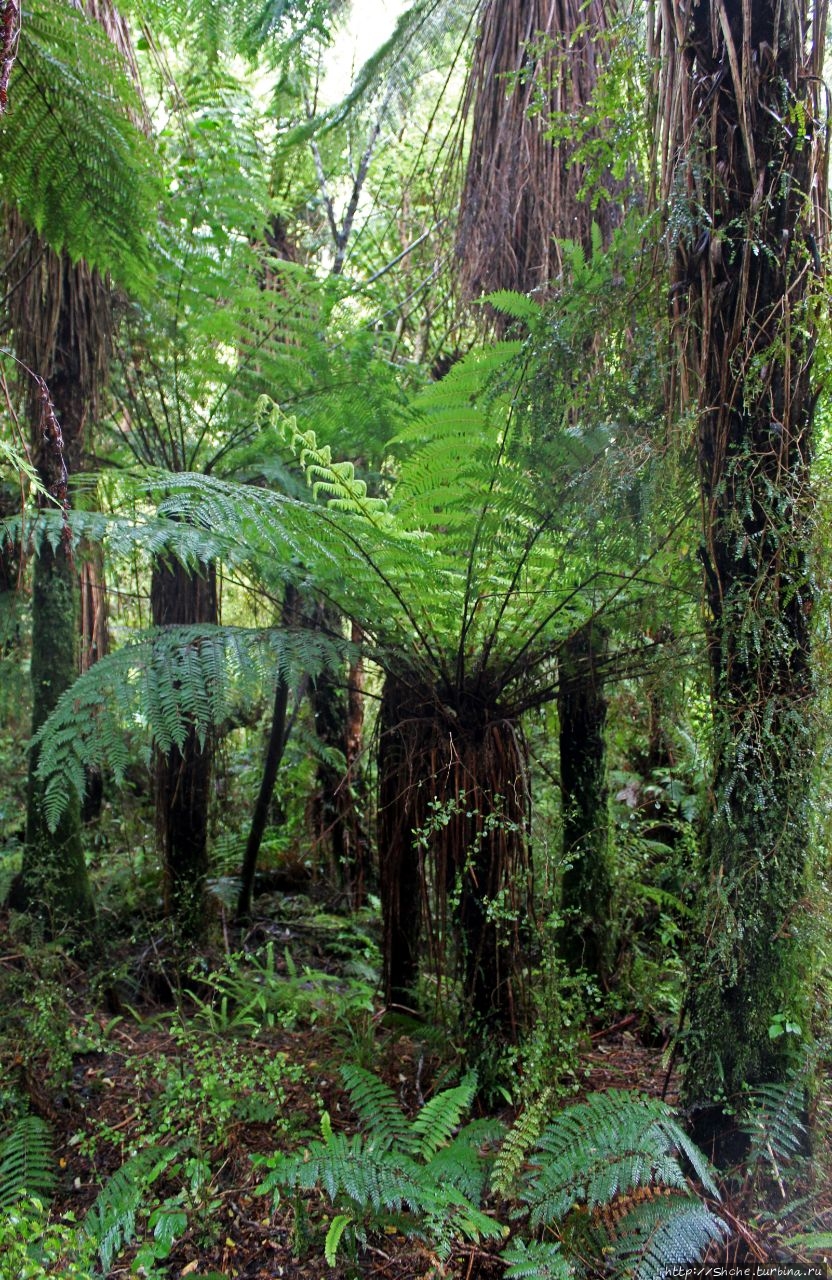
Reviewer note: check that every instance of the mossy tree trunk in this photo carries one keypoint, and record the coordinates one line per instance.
(755, 176)
(183, 775)
(586, 932)
(60, 314)
(54, 881)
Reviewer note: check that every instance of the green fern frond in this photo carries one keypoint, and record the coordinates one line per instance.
(441, 1115)
(384, 1176)
(607, 1146)
(523, 1134)
(162, 686)
(464, 1163)
(27, 1165)
(774, 1121)
(71, 155)
(535, 1260)
(377, 1108)
(662, 1232)
(110, 1222)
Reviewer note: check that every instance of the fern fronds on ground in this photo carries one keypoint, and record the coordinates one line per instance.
(604, 1147)
(27, 1166)
(607, 1176)
(110, 1223)
(410, 1175)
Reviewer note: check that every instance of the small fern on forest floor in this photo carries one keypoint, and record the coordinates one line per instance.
(26, 1162)
(423, 1178)
(604, 1184)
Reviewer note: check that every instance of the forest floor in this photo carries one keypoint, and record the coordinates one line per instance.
(243, 1066)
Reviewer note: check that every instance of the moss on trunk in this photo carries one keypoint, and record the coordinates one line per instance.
(53, 882)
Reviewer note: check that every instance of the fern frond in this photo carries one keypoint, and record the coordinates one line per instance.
(523, 1134)
(774, 1121)
(441, 1115)
(535, 1260)
(377, 1108)
(71, 156)
(162, 686)
(609, 1145)
(110, 1221)
(26, 1162)
(464, 1163)
(661, 1232)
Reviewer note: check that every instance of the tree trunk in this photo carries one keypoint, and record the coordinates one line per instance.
(453, 854)
(522, 195)
(586, 934)
(400, 813)
(278, 737)
(94, 635)
(182, 776)
(755, 177)
(336, 820)
(53, 879)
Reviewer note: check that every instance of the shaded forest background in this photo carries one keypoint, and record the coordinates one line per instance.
(413, 635)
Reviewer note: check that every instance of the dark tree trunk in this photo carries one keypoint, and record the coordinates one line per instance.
(586, 933)
(278, 737)
(337, 823)
(182, 776)
(401, 870)
(453, 854)
(278, 734)
(94, 634)
(753, 167)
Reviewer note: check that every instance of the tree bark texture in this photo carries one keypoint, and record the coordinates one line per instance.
(182, 776)
(586, 933)
(521, 192)
(453, 853)
(750, 184)
(61, 328)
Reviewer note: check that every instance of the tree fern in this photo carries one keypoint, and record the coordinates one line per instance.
(27, 1165)
(71, 155)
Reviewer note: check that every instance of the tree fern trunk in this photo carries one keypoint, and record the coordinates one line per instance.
(585, 938)
(182, 776)
(752, 163)
(453, 855)
(400, 810)
(53, 880)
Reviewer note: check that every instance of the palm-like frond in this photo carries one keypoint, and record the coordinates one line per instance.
(72, 157)
(161, 686)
